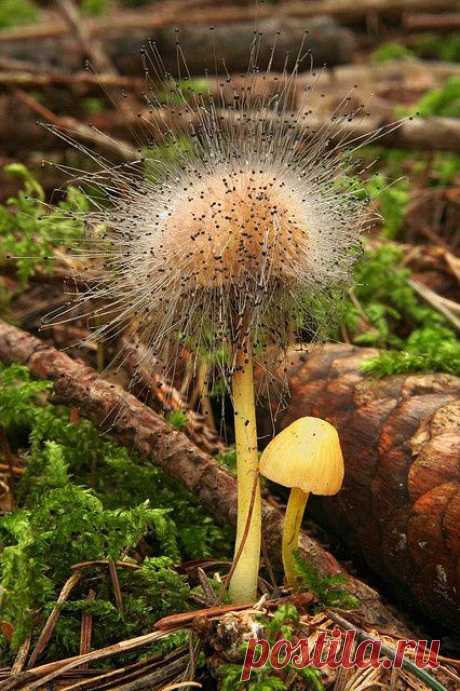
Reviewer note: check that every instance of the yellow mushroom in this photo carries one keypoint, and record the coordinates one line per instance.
(306, 456)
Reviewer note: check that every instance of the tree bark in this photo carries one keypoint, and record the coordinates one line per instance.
(139, 427)
(400, 505)
(172, 14)
(203, 49)
(432, 22)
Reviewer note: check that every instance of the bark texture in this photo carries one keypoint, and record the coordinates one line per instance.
(400, 506)
(328, 42)
(140, 428)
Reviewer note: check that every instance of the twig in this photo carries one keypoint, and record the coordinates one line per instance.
(418, 672)
(142, 368)
(211, 596)
(35, 79)
(116, 675)
(92, 48)
(103, 562)
(444, 305)
(185, 619)
(122, 22)
(14, 470)
(116, 585)
(432, 22)
(48, 629)
(86, 628)
(89, 44)
(182, 685)
(51, 670)
(21, 657)
(120, 148)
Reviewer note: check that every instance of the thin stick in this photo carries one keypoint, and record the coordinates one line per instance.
(48, 629)
(444, 305)
(86, 629)
(116, 584)
(21, 657)
(421, 674)
(120, 148)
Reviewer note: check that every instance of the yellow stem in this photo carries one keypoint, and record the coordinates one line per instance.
(243, 582)
(292, 522)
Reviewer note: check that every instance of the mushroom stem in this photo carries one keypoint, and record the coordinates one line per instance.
(243, 582)
(292, 522)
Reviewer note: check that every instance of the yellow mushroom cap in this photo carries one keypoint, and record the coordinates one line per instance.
(306, 455)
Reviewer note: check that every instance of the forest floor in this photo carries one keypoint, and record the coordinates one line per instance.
(117, 485)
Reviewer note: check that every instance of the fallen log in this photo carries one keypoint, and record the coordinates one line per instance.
(139, 427)
(400, 506)
(432, 22)
(419, 134)
(171, 13)
(329, 43)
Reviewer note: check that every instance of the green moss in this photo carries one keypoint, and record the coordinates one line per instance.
(435, 46)
(444, 102)
(426, 350)
(158, 158)
(330, 591)
(178, 419)
(180, 91)
(393, 199)
(94, 7)
(391, 51)
(389, 314)
(30, 232)
(82, 498)
(17, 12)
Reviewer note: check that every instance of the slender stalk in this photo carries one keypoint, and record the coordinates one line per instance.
(292, 523)
(243, 582)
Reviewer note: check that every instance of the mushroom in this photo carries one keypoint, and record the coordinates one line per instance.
(306, 456)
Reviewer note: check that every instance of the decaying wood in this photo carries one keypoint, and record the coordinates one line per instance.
(147, 380)
(170, 14)
(432, 22)
(400, 506)
(71, 127)
(35, 79)
(421, 134)
(38, 677)
(48, 629)
(328, 41)
(139, 427)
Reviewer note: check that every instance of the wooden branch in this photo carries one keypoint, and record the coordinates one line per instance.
(78, 129)
(52, 620)
(400, 505)
(432, 22)
(139, 427)
(328, 41)
(173, 14)
(60, 667)
(146, 378)
(37, 79)
(90, 47)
